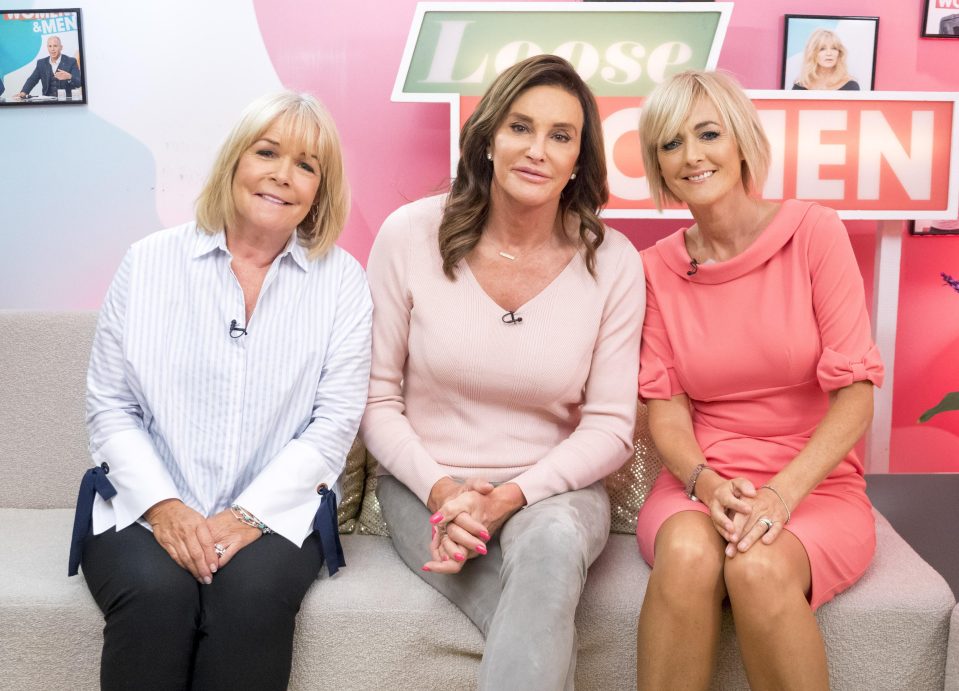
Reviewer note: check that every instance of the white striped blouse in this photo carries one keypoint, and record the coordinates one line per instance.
(179, 408)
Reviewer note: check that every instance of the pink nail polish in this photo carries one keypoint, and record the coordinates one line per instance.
(481, 549)
(426, 568)
(459, 557)
(436, 518)
(484, 536)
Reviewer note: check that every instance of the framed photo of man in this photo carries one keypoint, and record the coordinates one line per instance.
(941, 19)
(935, 227)
(828, 53)
(41, 58)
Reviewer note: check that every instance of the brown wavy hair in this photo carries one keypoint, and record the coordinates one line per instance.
(468, 204)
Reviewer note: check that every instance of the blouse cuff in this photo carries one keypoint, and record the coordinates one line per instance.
(836, 370)
(284, 494)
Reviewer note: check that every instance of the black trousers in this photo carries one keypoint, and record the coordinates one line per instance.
(165, 631)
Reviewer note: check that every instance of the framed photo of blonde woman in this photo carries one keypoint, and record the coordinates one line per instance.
(829, 53)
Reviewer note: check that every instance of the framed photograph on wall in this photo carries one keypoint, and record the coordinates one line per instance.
(41, 58)
(935, 227)
(829, 53)
(941, 19)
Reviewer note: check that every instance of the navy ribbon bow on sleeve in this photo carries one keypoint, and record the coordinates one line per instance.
(94, 482)
(326, 525)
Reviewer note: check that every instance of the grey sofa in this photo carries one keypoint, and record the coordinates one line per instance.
(376, 624)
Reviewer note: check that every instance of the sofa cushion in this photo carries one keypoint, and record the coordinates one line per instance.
(952, 658)
(42, 418)
(377, 622)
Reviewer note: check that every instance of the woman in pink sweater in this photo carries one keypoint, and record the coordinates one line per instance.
(503, 386)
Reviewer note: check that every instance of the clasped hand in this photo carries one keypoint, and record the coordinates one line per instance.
(741, 513)
(190, 538)
(467, 515)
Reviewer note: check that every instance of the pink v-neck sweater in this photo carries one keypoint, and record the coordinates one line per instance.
(548, 402)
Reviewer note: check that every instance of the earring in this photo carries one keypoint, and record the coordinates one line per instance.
(489, 156)
(573, 176)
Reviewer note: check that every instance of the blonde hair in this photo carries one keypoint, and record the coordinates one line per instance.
(809, 74)
(307, 126)
(468, 203)
(666, 109)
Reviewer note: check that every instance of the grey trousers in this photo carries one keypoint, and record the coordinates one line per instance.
(523, 594)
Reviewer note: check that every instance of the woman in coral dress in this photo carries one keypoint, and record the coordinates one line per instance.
(758, 369)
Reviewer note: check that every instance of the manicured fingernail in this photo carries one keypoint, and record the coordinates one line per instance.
(213, 568)
(484, 536)
(481, 549)
(207, 580)
(459, 557)
(425, 567)
(436, 518)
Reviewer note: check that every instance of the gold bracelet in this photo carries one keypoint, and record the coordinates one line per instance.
(776, 492)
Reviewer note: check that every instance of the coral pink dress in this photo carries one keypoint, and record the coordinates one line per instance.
(756, 343)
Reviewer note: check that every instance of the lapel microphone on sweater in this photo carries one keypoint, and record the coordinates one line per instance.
(693, 267)
(510, 318)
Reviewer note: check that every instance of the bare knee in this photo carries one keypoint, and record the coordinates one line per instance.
(689, 563)
(763, 574)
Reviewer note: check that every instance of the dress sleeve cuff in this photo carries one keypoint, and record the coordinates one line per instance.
(138, 473)
(836, 370)
(657, 381)
(284, 494)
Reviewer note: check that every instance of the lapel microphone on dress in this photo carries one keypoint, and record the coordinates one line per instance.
(236, 330)
(694, 267)
(510, 318)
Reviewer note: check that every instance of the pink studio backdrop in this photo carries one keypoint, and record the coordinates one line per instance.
(397, 152)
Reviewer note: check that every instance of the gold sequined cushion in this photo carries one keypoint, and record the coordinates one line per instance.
(371, 521)
(351, 486)
(629, 486)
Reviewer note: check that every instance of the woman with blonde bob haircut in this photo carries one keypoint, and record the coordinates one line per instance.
(226, 384)
(824, 64)
(758, 367)
(304, 120)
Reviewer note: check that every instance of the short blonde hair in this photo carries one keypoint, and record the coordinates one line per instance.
(307, 125)
(666, 109)
(823, 38)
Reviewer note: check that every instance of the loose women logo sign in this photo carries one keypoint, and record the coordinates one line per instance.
(45, 22)
(868, 155)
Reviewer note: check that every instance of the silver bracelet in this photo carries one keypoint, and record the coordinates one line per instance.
(691, 482)
(244, 516)
(776, 492)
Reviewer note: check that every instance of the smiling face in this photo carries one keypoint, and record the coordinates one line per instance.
(536, 146)
(54, 47)
(702, 164)
(274, 185)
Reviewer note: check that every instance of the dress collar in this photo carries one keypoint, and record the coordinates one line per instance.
(672, 248)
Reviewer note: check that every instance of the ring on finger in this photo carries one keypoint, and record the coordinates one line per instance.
(219, 549)
(766, 522)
